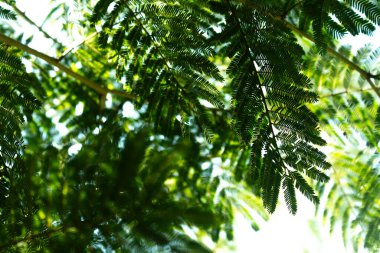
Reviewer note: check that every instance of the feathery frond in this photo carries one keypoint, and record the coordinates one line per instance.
(163, 57)
(270, 94)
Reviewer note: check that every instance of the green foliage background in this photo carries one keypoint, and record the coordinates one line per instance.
(229, 97)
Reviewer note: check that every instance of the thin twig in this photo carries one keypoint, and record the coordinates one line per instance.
(366, 75)
(345, 92)
(98, 88)
(67, 51)
(47, 35)
(27, 19)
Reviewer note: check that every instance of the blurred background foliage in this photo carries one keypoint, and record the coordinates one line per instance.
(191, 139)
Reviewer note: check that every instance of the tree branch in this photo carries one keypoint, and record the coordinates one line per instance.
(47, 35)
(366, 75)
(99, 89)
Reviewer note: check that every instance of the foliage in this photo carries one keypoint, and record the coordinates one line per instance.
(181, 113)
(348, 110)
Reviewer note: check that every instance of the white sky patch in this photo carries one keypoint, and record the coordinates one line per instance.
(50, 113)
(79, 108)
(129, 111)
(206, 103)
(287, 233)
(28, 65)
(360, 40)
(61, 127)
(108, 101)
(96, 131)
(74, 149)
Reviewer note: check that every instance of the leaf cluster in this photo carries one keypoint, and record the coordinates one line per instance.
(223, 95)
(348, 110)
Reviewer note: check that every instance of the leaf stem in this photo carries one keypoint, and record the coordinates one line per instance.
(262, 95)
(98, 88)
(345, 92)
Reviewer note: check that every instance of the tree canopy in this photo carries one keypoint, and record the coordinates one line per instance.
(174, 115)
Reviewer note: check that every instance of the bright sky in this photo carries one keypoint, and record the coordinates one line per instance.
(289, 234)
(283, 232)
